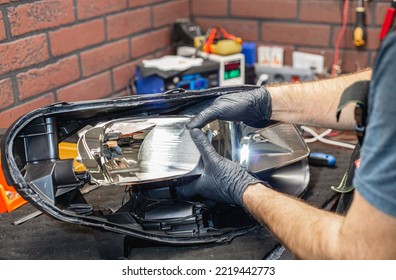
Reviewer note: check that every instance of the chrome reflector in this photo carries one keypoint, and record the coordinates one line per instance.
(151, 149)
(138, 150)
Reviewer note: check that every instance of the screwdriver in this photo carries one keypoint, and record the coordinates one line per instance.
(359, 33)
(321, 159)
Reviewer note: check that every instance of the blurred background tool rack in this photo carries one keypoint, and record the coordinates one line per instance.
(153, 79)
(231, 67)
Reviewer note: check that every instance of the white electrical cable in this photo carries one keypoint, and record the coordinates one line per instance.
(316, 138)
(262, 79)
(320, 137)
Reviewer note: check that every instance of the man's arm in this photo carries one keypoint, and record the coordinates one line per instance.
(311, 103)
(315, 103)
(311, 233)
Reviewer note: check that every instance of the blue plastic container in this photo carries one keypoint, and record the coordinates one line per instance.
(249, 50)
(150, 84)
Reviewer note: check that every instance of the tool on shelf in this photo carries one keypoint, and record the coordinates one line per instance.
(360, 33)
(218, 41)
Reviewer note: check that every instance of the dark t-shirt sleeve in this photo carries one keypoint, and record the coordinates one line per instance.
(375, 179)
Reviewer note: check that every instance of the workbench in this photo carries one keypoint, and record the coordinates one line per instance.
(44, 238)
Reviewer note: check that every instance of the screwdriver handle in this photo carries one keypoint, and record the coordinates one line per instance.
(321, 159)
(359, 33)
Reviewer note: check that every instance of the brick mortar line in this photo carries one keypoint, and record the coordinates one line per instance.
(15, 90)
(371, 60)
(112, 83)
(78, 52)
(52, 91)
(146, 31)
(30, 33)
(49, 47)
(54, 59)
(54, 94)
(190, 9)
(298, 9)
(55, 90)
(332, 34)
(7, 25)
(325, 48)
(289, 21)
(331, 48)
(104, 16)
(109, 70)
(155, 52)
(130, 48)
(192, 16)
(106, 29)
(260, 30)
(151, 17)
(119, 91)
(80, 68)
(150, 4)
(27, 100)
(75, 10)
(11, 74)
(373, 18)
(70, 24)
(51, 60)
(280, 20)
(16, 3)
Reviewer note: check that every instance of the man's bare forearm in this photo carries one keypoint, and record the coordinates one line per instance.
(315, 103)
(299, 226)
(312, 233)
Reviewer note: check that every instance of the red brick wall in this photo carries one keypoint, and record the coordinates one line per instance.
(68, 50)
(303, 25)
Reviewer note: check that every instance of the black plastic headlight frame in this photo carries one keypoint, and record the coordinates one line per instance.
(31, 163)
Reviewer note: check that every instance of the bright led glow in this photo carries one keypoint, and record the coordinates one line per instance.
(244, 154)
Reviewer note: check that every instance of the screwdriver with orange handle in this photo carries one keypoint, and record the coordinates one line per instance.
(359, 33)
(388, 21)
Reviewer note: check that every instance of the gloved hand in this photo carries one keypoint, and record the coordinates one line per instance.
(252, 107)
(221, 180)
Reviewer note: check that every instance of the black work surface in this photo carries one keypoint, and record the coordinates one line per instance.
(44, 238)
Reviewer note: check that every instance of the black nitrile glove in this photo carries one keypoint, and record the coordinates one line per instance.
(221, 180)
(252, 107)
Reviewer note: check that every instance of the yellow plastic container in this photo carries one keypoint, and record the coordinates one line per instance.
(69, 150)
(222, 47)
